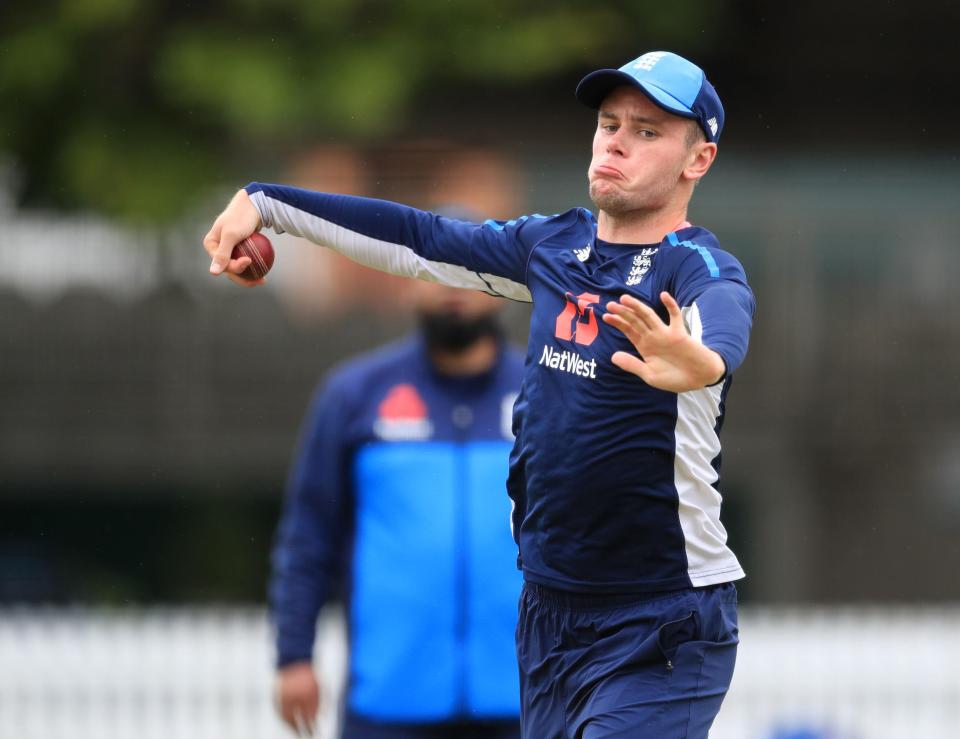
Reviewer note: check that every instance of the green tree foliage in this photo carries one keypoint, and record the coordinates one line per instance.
(133, 107)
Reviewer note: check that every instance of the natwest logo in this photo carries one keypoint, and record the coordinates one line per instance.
(577, 321)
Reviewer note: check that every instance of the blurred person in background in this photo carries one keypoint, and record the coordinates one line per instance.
(396, 497)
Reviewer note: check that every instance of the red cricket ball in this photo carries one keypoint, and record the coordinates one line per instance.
(260, 250)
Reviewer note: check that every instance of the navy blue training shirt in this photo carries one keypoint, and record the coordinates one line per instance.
(614, 483)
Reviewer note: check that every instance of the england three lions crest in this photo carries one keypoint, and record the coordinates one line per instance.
(641, 265)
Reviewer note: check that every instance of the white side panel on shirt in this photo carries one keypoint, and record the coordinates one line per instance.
(709, 561)
(397, 259)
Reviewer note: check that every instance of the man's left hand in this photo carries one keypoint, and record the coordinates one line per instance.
(669, 358)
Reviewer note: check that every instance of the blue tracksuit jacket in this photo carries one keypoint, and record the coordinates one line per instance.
(398, 490)
(615, 483)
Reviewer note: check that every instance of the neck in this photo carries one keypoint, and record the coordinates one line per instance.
(640, 227)
(645, 225)
(475, 359)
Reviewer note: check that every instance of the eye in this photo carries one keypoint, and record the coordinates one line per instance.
(646, 133)
(608, 127)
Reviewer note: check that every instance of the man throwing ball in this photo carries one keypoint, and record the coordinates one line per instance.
(628, 623)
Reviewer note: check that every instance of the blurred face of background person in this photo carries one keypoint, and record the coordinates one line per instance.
(454, 321)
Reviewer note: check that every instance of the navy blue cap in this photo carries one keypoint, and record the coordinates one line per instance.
(676, 85)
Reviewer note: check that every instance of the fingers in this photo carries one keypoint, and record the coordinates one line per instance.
(626, 320)
(212, 239)
(215, 243)
(637, 312)
(219, 243)
(237, 222)
(298, 697)
(630, 363)
(304, 727)
(243, 281)
(222, 250)
(633, 318)
(234, 269)
(673, 310)
(637, 320)
(238, 265)
(633, 333)
(301, 716)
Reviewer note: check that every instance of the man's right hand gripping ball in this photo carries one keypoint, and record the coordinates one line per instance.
(239, 219)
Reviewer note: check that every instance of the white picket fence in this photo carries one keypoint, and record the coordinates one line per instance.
(850, 673)
(857, 673)
(146, 674)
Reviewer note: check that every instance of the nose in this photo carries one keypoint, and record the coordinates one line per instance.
(615, 145)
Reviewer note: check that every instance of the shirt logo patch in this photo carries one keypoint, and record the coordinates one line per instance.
(568, 361)
(402, 416)
(583, 254)
(577, 321)
(641, 265)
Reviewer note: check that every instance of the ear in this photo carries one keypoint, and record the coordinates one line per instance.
(700, 158)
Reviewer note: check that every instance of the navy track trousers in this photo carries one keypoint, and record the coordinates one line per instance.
(651, 666)
(355, 727)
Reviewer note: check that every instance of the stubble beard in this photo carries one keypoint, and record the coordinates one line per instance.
(617, 203)
(610, 200)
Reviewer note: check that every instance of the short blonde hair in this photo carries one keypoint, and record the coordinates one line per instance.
(695, 134)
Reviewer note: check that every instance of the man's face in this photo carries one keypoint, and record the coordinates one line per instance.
(639, 154)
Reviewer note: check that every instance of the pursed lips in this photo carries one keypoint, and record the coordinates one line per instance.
(605, 170)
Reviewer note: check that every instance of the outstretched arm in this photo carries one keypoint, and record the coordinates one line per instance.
(383, 235)
(669, 357)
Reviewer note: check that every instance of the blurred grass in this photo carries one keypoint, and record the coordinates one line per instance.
(135, 107)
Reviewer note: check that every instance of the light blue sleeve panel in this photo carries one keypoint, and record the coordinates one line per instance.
(405, 241)
(712, 284)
